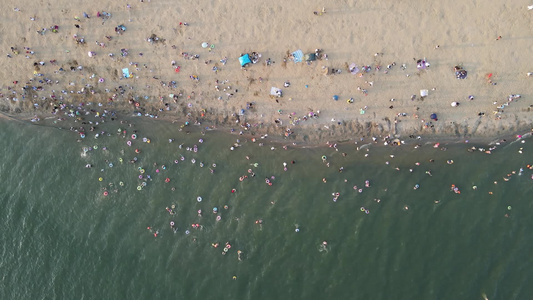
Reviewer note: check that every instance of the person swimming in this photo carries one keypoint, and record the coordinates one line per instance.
(323, 247)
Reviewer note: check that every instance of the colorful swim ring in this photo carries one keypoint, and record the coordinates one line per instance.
(134, 136)
(199, 199)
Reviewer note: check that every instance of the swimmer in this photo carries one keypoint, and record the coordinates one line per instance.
(323, 247)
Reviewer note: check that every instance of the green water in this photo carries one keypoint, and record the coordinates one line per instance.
(62, 238)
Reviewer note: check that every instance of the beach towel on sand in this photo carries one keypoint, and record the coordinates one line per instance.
(298, 56)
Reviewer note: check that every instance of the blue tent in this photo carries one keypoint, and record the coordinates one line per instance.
(126, 73)
(244, 60)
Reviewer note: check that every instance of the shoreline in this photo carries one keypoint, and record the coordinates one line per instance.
(265, 134)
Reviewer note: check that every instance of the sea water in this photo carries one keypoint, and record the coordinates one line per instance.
(71, 232)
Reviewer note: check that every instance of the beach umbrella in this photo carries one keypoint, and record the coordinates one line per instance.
(90, 53)
(433, 116)
(335, 97)
(353, 68)
(455, 104)
(205, 45)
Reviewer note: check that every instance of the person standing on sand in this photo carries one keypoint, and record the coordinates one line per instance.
(321, 12)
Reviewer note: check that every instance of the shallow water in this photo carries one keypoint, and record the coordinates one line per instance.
(62, 238)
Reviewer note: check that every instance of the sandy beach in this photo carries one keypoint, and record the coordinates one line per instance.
(46, 63)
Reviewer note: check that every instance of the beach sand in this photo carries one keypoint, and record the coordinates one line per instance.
(481, 38)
